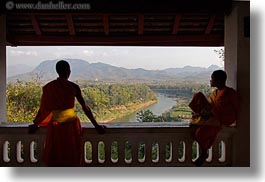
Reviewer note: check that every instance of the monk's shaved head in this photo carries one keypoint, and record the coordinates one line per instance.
(63, 68)
(220, 76)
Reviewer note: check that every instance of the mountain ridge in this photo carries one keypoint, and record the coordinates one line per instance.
(83, 70)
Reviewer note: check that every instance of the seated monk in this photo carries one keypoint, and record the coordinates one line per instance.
(63, 145)
(211, 115)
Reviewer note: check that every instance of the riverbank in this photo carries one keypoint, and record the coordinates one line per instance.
(181, 112)
(123, 111)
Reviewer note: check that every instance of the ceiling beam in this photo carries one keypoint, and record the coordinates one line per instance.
(35, 24)
(171, 40)
(176, 24)
(106, 24)
(70, 24)
(210, 24)
(140, 24)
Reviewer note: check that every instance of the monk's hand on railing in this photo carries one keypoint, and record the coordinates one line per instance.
(32, 128)
(100, 129)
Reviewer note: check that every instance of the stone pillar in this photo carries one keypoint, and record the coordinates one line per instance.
(237, 66)
(2, 69)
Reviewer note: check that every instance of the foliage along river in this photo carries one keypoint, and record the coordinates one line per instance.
(163, 104)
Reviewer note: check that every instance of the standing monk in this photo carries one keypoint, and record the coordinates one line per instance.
(63, 146)
(210, 116)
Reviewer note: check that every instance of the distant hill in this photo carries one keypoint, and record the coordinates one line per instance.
(82, 70)
(191, 73)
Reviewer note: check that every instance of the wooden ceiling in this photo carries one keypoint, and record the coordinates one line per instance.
(149, 23)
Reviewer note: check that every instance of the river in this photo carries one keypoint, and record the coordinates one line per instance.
(163, 103)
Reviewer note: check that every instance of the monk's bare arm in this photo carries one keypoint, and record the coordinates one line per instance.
(87, 110)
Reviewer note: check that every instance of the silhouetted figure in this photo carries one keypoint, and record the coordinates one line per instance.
(210, 116)
(63, 146)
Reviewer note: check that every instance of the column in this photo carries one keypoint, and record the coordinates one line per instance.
(237, 66)
(2, 69)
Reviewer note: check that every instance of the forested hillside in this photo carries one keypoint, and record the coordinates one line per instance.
(108, 101)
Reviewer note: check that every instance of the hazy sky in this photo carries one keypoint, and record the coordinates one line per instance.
(127, 57)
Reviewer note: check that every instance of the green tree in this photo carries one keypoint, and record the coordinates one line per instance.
(147, 116)
(23, 100)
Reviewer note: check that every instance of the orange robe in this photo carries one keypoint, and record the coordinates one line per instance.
(63, 145)
(222, 110)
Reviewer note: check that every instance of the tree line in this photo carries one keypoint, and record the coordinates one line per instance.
(184, 90)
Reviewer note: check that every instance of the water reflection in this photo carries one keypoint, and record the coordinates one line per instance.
(163, 104)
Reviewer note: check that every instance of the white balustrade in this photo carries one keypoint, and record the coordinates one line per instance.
(121, 146)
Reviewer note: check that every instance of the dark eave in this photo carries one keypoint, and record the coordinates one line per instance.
(134, 23)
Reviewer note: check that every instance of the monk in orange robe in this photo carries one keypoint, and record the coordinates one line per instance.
(63, 146)
(210, 116)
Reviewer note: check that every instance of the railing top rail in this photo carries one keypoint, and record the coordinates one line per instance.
(164, 127)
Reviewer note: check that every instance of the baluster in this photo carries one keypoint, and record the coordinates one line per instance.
(188, 152)
(169, 160)
(19, 152)
(175, 152)
(6, 152)
(197, 150)
(32, 153)
(107, 152)
(210, 157)
(23, 146)
(95, 159)
(215, 153)
(228, 150)
(40, 149)
(148, 152)
(134, 153)
(155, 149)
(162, 152)
(121, 152)
(182, 148)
